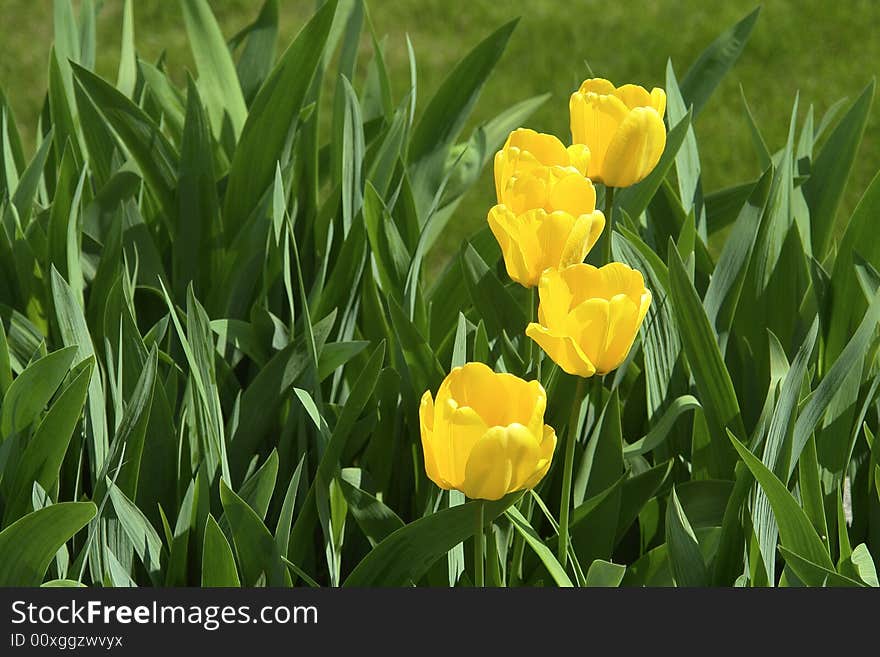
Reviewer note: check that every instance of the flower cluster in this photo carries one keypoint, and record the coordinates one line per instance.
(485, 434)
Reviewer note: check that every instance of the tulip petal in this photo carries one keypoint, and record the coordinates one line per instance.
(426, 422)
(635, 148)
(596, 86)
(574, 194)
(548, 445)
(595, 120)
(582, 238)
(464, 427)
(564, 351)
(579, 157)
(546, 148)
(588, 325)
(555, 297)
(658, 100)
(618, 278)
(634, 96)
(518, 245)
(502, 461)
(622, 330)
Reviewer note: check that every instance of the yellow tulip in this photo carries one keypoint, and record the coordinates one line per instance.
(588, 317)
(623, 128)
(547, 218)
(485, 434)
(526, 150)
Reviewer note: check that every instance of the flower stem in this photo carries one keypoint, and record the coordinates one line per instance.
(609, 225)
(479, 578)
(532, 313)
(568, 467)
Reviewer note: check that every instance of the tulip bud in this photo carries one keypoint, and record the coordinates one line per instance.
(526, 150)
(588, 317)
(623, 128)
(485, 433)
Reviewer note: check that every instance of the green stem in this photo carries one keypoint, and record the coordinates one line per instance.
(519, 543)
(609, 225)
(532, 313)
(479, 578)
(568, 468)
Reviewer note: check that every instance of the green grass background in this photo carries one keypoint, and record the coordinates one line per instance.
(823, 49)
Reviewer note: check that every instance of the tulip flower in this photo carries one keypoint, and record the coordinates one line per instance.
(623, 128)
(485, 434)
(588, 317)
(547, 218)
(526, 150)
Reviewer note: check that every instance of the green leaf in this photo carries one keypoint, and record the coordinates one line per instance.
(32, 390)
(544, 553)
(407, 554)
(262, 398)
(43, 532)
(272, 113)
(198, 222)
(143, 536)
(688, 567)
(336, 354)
(490, 297)
(446, 114)
(155, 156)
(795, 529)
(41, 460)
(812, 573)
(707, 366)
(218, 81)
(285, 517)
(259, 50)
(715, 61)
(257, 490)
(218, 563)
(847, 302)
(660, 431)
(258, 554)
(832, 168)
(374, 518)
(127, 76)
(833, 381)
(360, 394)
(605, 574)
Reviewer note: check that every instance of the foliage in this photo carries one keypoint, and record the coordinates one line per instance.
(217, 325)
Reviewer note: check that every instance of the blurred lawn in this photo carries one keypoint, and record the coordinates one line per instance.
(825, 50)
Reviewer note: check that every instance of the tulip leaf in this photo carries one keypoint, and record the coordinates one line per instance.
(407, 554)
(688, 567)
(276, 106)
(32, 390)
(605, 574)
(544, 553)
(636, 492)
(659, 432)
(814, 574)
(847, 303)
(490, 297)
(713, 381)
(725, 287)
(258, 553)
(154, 154)
(218, 82)
(218, 562)
(795, 529)
(42, 533)
(360, 394)
(715, 61)
(830, 171)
